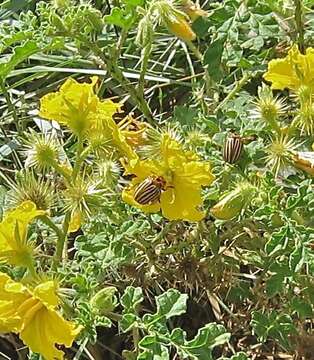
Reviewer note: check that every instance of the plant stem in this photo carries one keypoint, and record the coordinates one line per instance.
(31, 269)
(195, 51)
(61, 171)
(136, 338)
(239, 85)
(146, 51)
(63, 238)
(299, 22)
(11, 107)
(116, 73)
(79, 159)
(46, 220)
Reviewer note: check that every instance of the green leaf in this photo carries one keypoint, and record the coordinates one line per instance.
(128, 321)
(212, 58)
(260, 325)
(207, 338)
(120, 17)
(185, 115)
(131, 298)
(154, 349)
(276, 326)
(277, 242)
(104, 300)
(133, 3)
(274, 285)
(303, 308)
(171, 303)
(297, 258)
(20, 54)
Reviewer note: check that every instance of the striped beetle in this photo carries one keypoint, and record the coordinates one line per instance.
(233, 147)
(149, 190)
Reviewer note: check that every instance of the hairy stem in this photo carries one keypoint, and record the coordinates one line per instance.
(62, 240)
(238, 86)
(299, 22)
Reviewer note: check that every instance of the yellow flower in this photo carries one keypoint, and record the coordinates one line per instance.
(179, 27)
(33, 314)
(77, 106)
(133, 131)
(14, 247)
(76, 221)
(184, 176)
(292, 71)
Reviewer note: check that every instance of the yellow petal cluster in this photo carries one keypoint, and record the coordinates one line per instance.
(292, 71)
(184, 174)
(32, 313)
(77, 106)
(14, 247)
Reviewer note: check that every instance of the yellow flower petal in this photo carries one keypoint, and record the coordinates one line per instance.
(292, 71)
(71, 105)
(33, 314)
(12, 295)
(46, 293)
(181, 204)
(46, 329)
(14, 248)
(184, 176)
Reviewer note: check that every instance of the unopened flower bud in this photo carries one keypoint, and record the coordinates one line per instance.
(104, 301)
(232, 204)
(180, 27)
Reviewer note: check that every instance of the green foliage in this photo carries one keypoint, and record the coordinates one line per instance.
(158, 341)
(142, 286)
(274, 325)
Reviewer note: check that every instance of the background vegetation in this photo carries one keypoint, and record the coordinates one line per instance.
(143, 286)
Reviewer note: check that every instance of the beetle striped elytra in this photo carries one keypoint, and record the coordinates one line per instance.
(149, 190)
(232, 149)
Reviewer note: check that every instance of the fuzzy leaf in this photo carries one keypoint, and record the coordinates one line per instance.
(212, 58)
(154, 349)
(171, 303)
(20, 54)
(119, 17)
(131, 298)
(207, 338)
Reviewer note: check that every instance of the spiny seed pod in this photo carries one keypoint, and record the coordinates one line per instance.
(179, 27)
(148, 191)
(232, 149)
(232, 204)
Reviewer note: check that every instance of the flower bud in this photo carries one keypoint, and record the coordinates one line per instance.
(232, 204)
(180, 27)
(104, 301)
(145, 32)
